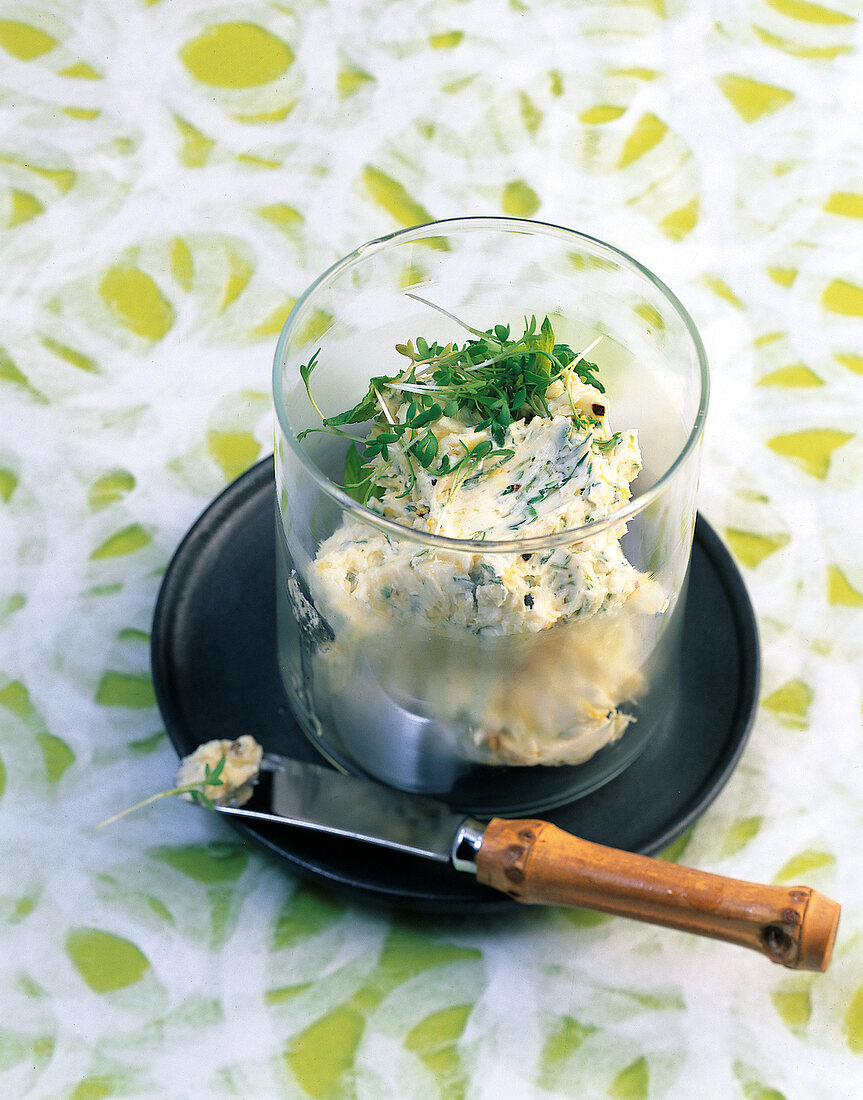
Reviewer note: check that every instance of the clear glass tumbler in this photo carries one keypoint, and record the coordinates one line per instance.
(503, 720)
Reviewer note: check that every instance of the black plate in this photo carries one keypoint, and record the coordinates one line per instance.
(216, 675)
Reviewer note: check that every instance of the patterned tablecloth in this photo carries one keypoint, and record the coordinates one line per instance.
(174, 174)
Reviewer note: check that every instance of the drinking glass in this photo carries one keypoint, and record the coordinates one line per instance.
(494, 722)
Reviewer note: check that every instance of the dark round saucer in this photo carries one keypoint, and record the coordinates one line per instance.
(216, 676)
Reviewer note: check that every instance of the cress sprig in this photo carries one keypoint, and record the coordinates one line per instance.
(212, 778)
(489, 382)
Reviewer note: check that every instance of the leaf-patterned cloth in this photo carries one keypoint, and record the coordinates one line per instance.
(174, 174)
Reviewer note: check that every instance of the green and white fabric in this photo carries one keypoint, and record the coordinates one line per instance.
(173, 174)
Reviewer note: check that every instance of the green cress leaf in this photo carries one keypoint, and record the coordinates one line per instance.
(425, 449)
(368, 408)
(543, 362)
(358, 477)
(354, 479)
(211, 777)
(307, 368)
(306, 373)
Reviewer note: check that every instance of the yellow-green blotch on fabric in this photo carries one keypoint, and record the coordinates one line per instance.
(519, 199)
(840, 591)
(137, 302)
(274, 322)
(127, 541)
(394, 197)
(751, 98)
(15, 697)
(236, 55)
(647, 133)
(24, 41)
(23, 207)
(752, 547)
(125, 689)
(600, 114)
(847, 204)
(338, 1033)
(233, 451)
(109, 488)
(811, 449)
(218, 861)
(8, 484)
(794, 1005)
(309, 911)
(740, 833)
(56, 755)
(843, 297)
(790, 703)
(854, 1023)
(795, 376)
(632, 1083)
(804, 863)
(105, 961)
(809, 12)
(75, 358)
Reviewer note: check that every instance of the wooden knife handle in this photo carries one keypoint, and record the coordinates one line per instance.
(537, 863)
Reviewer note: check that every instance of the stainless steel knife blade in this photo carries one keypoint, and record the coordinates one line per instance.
(314, 797)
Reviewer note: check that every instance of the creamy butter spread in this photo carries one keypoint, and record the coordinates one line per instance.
(239, 775)
(556, 642)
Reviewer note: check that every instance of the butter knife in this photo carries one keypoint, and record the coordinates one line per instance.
(535, 862)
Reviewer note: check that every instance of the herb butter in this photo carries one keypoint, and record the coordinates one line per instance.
(238, 774)
(497, 460)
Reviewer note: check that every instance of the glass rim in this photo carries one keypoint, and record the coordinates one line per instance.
(517, 545)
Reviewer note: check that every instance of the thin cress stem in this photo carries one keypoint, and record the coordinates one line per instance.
(212, 778)
(332, 431)
(146, 802)
(452, 316)
(385, 408)
(578, 359)
(410, 387)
